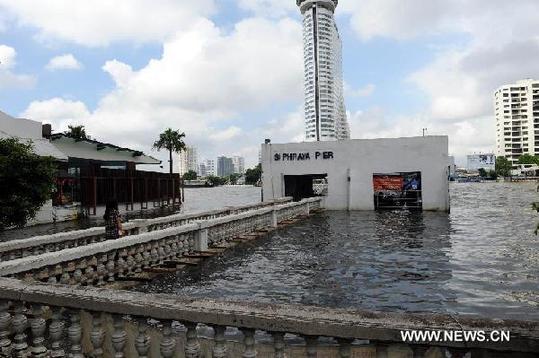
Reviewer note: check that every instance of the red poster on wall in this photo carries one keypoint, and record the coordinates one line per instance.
(387, 182)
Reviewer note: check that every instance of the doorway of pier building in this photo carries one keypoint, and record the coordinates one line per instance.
(393, 191)
(305, 186)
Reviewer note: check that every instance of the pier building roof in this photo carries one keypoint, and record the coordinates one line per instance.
(89, 149)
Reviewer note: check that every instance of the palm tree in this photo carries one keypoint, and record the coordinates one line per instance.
(76, 132)
(171, 141)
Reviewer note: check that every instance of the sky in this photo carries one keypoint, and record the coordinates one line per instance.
(229, 73)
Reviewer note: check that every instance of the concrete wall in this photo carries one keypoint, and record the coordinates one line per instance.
(360, 159)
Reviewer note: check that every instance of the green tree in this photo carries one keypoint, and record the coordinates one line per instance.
(172, 141)
(252, 176)
(492, 174)
(26, 182)
(76, 132)
(482, 173)
(190, 175)
(233, 178)
(503, 167)
(528, 159)
(215, 180)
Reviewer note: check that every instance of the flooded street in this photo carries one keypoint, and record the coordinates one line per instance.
(482, 258)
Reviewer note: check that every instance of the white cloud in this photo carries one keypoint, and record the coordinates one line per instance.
(9, 79)
(7, 57)
(101, 22)
(58, 112)
(203, 81)
(226, 134)
(63, 62)
(465, 136)
(498, 44)
(269, 8)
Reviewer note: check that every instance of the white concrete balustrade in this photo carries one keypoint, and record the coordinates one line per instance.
(15, 249)
(43, 320)
(100, 262)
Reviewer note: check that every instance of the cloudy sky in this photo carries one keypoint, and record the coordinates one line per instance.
(229, 72)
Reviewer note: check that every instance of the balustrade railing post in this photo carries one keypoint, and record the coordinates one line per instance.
(278, 344)
(38, 326)
(249, 343)
(219, 348)
(274, 218)
(419, 351)
(192, 346)
(119, 336)
(201, 238)
(74, 333)
(20, 324)
(311, 346)
(56, 333)
(345, 348)
(168, 343)
(143, 340)
(97, 335)
(5, 329)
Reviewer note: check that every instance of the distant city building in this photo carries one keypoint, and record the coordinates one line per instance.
(239, 164)
(225, 166)
(188, 160)
(481, 161)
(207, 168)
(517, 120)
(202, 170)
(325, 113)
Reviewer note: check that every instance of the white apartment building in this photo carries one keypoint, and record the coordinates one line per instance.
(188, 160)
(517, 120)
(207, 168)
(239, 164)
(325, 113)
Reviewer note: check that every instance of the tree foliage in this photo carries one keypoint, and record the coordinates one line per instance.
(503, 166)
(171, 140)
(26, 182)
(253, 176)
(76, 132)
(528, 159)
(215, 180)
(233, 178)
(190, 175)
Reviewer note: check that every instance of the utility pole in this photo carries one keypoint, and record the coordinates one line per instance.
(424, 131)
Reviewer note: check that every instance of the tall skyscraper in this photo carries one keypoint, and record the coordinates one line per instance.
(325, 113)
(517, 120)
(188, 160)
(225, 166)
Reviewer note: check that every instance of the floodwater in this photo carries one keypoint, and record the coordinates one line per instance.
(481, 259)
(196, 200)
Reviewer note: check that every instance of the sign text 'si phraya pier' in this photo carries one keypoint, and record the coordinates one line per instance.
(291, 157)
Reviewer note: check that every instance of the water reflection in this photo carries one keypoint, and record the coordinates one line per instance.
(480, 259)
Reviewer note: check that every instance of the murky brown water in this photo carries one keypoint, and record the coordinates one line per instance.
(482, 258)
